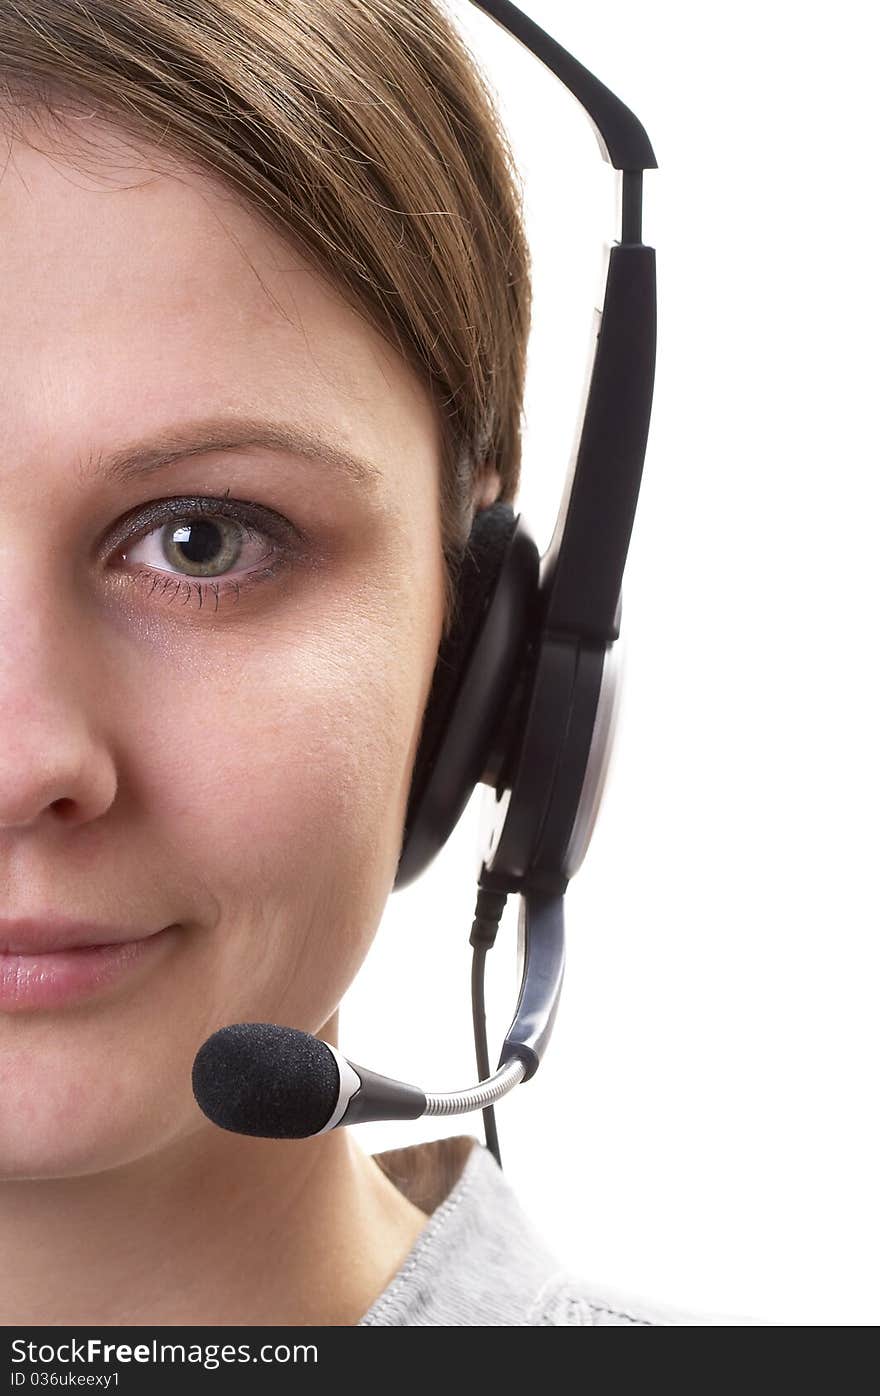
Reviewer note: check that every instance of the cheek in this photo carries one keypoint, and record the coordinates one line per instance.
(297, 760)
(282, 792)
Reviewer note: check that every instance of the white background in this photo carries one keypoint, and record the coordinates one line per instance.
(703, 1129)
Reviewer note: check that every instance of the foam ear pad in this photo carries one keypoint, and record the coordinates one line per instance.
(481, 565)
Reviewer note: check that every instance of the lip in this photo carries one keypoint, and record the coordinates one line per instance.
(41, 934)
(33, 979)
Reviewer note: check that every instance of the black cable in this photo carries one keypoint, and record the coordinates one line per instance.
(487, 916)
(477, 998)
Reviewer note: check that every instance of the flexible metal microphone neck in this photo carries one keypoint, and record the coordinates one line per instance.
(478, 1097)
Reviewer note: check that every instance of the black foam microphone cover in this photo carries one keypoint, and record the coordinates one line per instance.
(266, 1080)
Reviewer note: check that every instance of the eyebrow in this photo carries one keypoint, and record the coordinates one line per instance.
(196, 438)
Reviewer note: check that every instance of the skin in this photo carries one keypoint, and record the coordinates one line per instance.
(241, 772)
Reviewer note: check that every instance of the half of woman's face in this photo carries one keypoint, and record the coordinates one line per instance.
(188, 737)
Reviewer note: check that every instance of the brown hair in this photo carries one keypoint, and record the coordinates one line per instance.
(363, 131)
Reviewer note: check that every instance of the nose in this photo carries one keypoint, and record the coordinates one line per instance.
(53, 761)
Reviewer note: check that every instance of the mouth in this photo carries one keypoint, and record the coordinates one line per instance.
(48, 977)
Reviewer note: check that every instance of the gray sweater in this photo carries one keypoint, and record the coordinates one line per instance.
(479, 1259)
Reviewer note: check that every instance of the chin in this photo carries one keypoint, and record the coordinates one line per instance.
(46, 1139)
(45, 1152)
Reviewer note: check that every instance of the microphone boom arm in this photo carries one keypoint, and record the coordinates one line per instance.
(478, 1097)
(542, 926)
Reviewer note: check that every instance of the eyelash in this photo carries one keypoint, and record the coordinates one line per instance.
(288, 550)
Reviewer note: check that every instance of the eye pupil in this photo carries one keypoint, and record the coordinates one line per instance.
(198, 543)
(195, 539)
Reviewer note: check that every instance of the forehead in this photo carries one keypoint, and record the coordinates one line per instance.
(136, 284)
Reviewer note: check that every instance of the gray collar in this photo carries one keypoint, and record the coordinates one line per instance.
(478, 1259)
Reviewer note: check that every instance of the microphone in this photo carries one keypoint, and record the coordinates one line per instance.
(278, 1082)
(281, 1083)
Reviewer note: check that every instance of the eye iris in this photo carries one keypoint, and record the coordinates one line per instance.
(195, 546)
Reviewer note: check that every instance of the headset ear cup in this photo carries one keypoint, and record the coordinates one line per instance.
(497, 547)
(480, 567)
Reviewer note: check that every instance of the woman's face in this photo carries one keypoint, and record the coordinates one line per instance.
(233, 760)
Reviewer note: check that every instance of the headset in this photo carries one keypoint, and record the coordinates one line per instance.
(523, 700)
